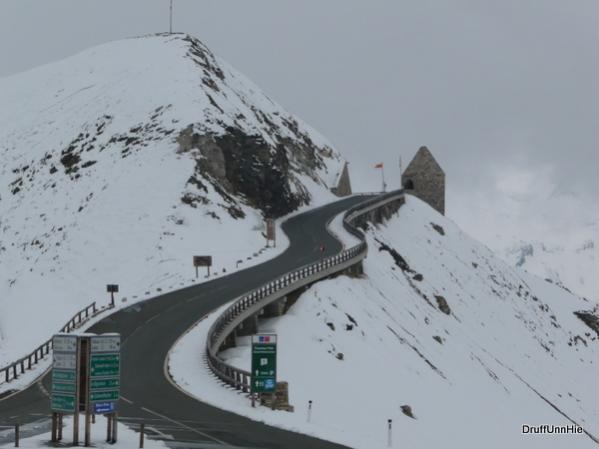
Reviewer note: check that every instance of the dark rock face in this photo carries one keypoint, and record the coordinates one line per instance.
(245, 166)
(589, 318)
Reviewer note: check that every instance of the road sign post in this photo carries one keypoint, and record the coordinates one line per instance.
(264, 364)
(85, 377)
(202, 261)
(112, 289)
(65, 382)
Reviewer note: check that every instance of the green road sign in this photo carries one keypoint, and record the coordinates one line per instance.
(264, 364)
(103, 365)
(63, 387)
(103, 384)
(64, 376)
(63, 403)
(95, 396)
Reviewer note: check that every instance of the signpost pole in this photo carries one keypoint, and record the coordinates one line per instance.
(60, 427)
(77, 387)
(196, 272)
(54, 437)
(108, 428)
(87, 426)
(115, 427)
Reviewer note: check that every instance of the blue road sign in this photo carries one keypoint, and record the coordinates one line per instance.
(104, 407)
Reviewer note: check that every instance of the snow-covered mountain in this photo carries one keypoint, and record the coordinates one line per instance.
(544, 229)
(440, 335)
(573, 268)
(121, 162)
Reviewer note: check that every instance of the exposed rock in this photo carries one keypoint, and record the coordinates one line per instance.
(442, 303)
(438, 228)
(590, 319)
(407, 410)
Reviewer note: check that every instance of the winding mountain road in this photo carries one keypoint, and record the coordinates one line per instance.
(150, 328)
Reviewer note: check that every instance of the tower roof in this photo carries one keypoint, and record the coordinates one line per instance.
(423, 157)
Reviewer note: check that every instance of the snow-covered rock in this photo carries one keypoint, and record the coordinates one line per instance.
(439, 328)
(121, 162)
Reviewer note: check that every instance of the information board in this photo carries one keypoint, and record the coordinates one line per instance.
(264, 363)
(64, 373)
(104, 372)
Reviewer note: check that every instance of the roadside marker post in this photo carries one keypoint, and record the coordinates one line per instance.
(17, 431)
(309, 410)
(389, 433)
(271, 234)
(141, 435)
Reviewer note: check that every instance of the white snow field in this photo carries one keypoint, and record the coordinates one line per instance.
(93, 182)
(438, 323)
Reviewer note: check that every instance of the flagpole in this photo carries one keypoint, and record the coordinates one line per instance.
(383, 178)
(171, 19)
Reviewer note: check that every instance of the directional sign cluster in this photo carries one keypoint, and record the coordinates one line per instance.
(64, 373)
(264, 363)
(104, 373)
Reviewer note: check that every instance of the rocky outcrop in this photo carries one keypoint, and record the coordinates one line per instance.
(246, 168)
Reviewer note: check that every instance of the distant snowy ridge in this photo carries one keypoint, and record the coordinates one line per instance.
(573, 268)
(121, 162)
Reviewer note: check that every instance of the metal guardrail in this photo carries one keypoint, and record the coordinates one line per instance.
(14, 370)
(252, 302)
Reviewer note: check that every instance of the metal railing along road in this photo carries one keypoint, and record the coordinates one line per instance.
(252, 302)
(14, 370)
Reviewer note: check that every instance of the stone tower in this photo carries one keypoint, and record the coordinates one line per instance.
(343, 187)
(425, 179)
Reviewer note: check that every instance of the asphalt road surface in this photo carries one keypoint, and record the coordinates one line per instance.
(150, 328)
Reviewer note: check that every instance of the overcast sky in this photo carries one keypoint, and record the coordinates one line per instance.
(498, 90)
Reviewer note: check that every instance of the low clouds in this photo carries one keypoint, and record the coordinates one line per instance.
(505, 94)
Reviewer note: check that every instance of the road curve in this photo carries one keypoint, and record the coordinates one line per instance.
(150, 328)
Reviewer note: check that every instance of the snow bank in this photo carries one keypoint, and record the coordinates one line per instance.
(439, 328)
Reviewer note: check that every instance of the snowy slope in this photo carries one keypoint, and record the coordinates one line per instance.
(120, 163)
(439, 323)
